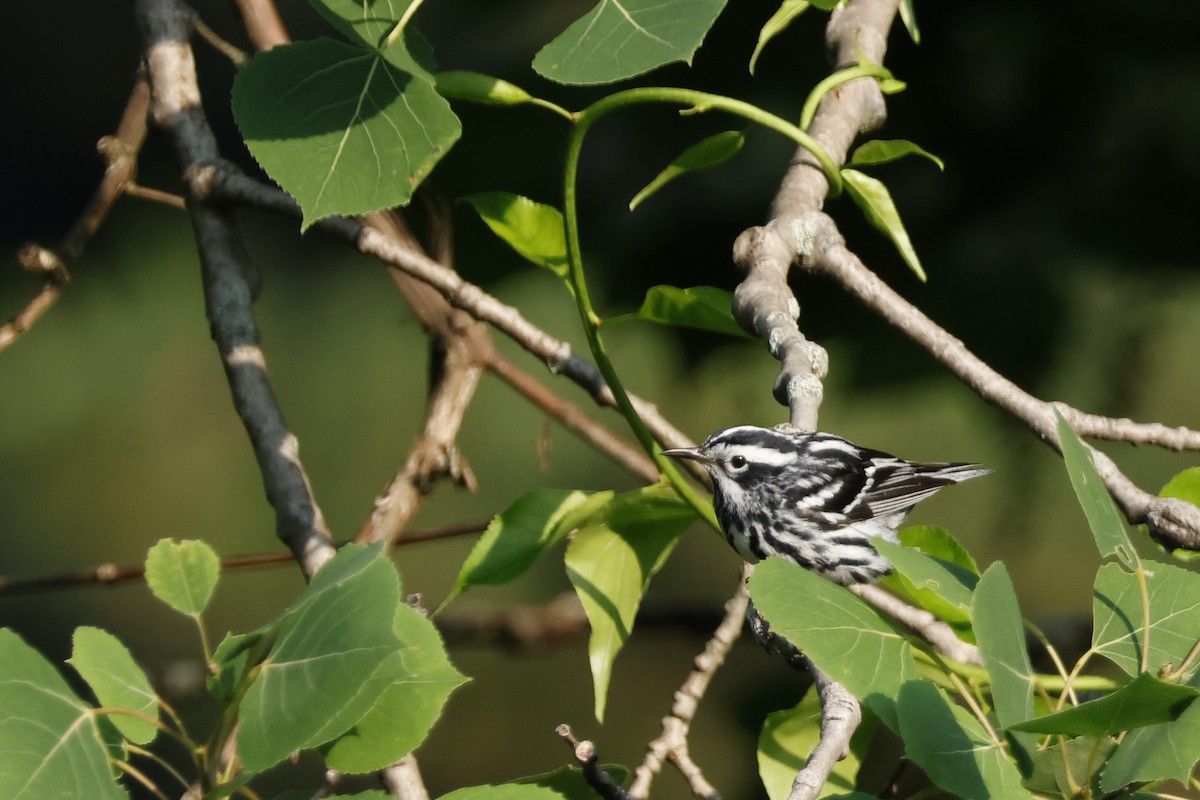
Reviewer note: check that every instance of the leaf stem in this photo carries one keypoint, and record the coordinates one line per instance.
(1143, 590)
(832, 82)
(398, 31)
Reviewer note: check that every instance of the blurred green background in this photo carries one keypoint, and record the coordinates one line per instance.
(1060, 244)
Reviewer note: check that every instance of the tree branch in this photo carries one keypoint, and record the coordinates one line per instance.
(587, 758)
(120, 152)
(228, 275)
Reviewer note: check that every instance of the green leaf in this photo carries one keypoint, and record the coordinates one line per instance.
(1108, 528)
(237, 653)
(938, 586)
(789, 736)
(328, 667)
(953, 748)
(705, 308)
(118, 682)
(938, 543)
(569, 783)
(788, 10)
(534, 230)
(705, 154)
(870, 195)
(1174, 595)
(307, 794)
(1000, 634)
(51, 744)
(1168, 751)
(406, 711)
(881, 151)
(847, 639)
(368, 23)
(610, 563)
(1143, 701)
(504, 791)
(342, 129)
(479, 88)
(909, 17)
(521, 533)
(1064, 767)
(183, 574)
(619, 39)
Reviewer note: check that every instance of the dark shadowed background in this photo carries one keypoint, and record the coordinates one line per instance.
(1060, 245)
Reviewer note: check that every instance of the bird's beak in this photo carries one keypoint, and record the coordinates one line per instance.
(690, 453)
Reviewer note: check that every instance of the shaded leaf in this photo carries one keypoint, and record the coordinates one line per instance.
(183, 574)
(406, 710)
(342, 129)
(328, 667)
(1143, 701)
(705, 154)
(518, 535)
(881, 151)
(705, 308)
(117, 681)
(788, 10)
(1168, 751)
(51, 744)
(504, 791)
(953, 748)
(367, 24)
(569, 783)
(1174, 595)
(876, 203)
(1066, 766)
(847, 639)
(1106, 523)
(536, 231)
(1000, 634)
(788, 738)
(619, 39)
(610, 563)
(938, 586)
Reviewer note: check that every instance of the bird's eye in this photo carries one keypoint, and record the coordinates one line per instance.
(738, 462)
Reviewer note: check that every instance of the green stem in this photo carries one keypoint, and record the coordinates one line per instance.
(695, 102)
(832, 82)
(1140, 572)
(398, 30)
(1048, 683)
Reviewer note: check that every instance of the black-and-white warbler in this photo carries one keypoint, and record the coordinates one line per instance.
(814, 498)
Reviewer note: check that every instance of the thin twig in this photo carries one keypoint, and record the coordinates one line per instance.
(672, 743)
(587, 758)
(120, 152)
(920, 621)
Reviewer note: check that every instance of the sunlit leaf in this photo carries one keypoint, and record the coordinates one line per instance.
(788, 10)
(610, 563)
(938, 543)
(876, 203)
(51, 744)
(705, 154)
(1174, 595)
(569, 782)
(479, 88)
(705, 308)
(953, 748)
(847, 639)
(1168, 751)
(1108, 528)
(619, 39)
(183, 574)
(343, 129)
(117, 680)
(882, 151)
(1000, 634)
(533, 229)
(1143, 701)
(788, 738)
(938, 586)
(406, 710)
(909, 17)
(522, 532)
(366, 23)
(331, 663)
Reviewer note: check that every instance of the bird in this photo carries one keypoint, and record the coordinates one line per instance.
(814, 498)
